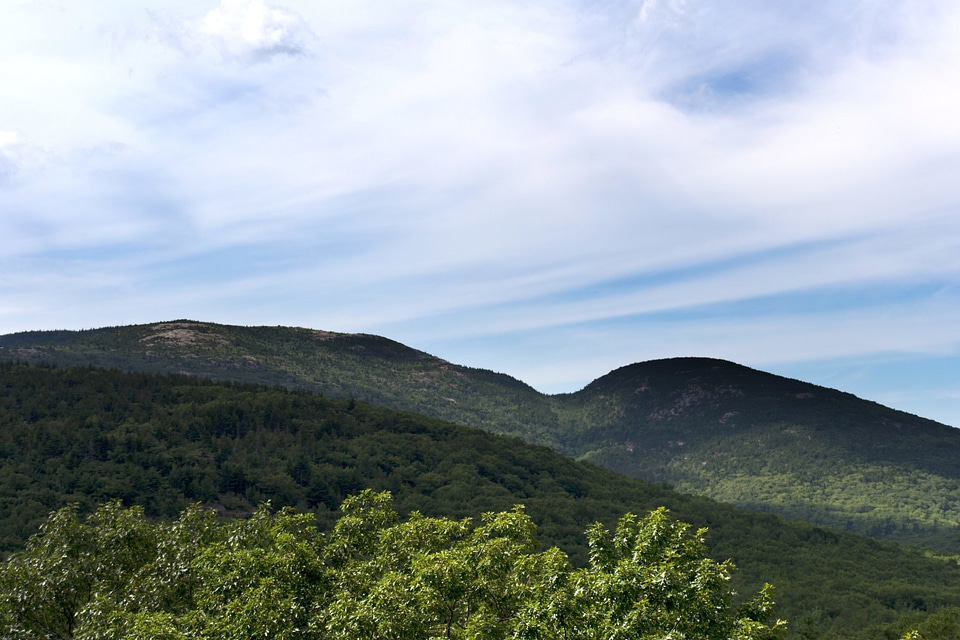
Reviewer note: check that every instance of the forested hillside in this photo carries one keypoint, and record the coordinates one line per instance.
(342, 365)
(773, 444)
(704, 426)
(85, 435)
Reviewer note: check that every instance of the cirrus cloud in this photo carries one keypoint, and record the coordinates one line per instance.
(504, 183)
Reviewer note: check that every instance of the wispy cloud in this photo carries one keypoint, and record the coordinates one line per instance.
(505, 183)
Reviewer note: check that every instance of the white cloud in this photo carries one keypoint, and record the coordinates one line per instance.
(481, 169)
(8, 163)
(256, 30)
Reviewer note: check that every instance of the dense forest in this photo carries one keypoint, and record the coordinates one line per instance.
(84, 435)
(703, 426)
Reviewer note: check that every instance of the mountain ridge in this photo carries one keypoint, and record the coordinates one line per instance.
(702, 425)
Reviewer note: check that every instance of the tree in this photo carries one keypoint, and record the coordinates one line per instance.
(650, 579)
(428, 577)
(274, 575)
(71, 571)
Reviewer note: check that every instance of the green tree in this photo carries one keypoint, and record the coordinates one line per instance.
(274, 575)
(73, 570)
(429, 577)
(650, 579)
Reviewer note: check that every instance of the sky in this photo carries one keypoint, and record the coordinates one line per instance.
(549, 189)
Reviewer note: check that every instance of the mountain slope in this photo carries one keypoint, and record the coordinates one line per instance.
(775, 444)
(361, 366)
(87, 435)
(705, 426)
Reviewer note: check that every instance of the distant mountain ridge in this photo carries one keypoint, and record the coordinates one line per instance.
(706, 426)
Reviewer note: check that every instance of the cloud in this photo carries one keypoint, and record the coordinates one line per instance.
(8, 164)
(638, 178)
(253, 30)
(7, 167)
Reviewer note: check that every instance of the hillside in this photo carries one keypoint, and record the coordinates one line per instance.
(87, 435)
(770, 443)
(705, 426)
(340, 365)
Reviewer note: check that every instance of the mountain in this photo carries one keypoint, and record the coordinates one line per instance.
(769, 443)
(705, 426)
(86, 435)
(341, 365)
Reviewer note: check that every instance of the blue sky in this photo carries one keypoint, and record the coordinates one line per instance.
(551, 189)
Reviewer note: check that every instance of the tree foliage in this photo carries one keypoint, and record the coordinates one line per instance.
(117, 575)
